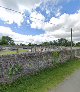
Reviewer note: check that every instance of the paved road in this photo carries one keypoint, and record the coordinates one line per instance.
(72, 84)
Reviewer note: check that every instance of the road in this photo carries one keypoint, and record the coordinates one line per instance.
(71, 84)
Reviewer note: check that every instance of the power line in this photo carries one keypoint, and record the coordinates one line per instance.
(20, 13)
(26, 16)
(17, 12)
(11, 9)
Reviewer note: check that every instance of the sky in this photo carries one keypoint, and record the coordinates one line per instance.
(40, 20)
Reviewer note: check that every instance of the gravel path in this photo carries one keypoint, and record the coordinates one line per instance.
(72, 84)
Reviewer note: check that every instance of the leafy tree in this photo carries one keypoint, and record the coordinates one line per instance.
(29, 44)
(22, 44)
(64, 42)
(55, 43)
(78, 44)
(45, 43)
(51, 43)
(6, 40)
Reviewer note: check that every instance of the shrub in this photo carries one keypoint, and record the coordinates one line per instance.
(14, 70)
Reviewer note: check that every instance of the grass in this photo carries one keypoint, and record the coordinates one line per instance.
(12, 52)
(44, 80)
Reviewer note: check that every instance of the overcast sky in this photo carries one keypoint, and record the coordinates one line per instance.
(42, 20)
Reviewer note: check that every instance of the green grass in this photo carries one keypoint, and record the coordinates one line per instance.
(12, 52)
(44, 80)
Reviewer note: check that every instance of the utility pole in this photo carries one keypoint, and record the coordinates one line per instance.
(71, 43)
(17, 49)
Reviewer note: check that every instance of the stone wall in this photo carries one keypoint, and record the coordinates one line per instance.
(14, 66)
(77, 52)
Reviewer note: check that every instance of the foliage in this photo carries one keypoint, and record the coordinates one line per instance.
(45, 44)
(12, 52)
(55, 57)
(44, 80)
(64, 42)
(78, 44)
(6, 40)
(13, 70)
(56, 54)
(59, 42)
(22, 44)
(30, 44)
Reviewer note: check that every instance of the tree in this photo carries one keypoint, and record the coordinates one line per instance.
(78, 44)
(22, 44)
(55, 43)
(6, 40)
(45, 44)
(51, 43)
(64, 42)
(29, 44)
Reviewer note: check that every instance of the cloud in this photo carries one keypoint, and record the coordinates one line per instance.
(65, 21)
(17, 5)
(37, 20)
(47, 36)
(59, 27)
(19, 38)
(21, 5)
(10, 3)
(55, 28)
(10, 17)
(58, 13)
(14, 4)
(62, 25)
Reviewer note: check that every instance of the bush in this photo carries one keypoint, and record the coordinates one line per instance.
(13, 70)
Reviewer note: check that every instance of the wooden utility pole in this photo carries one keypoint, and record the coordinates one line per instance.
(71, 43)
(17, 49)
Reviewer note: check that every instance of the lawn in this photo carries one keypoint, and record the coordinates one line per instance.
(12, 52)
(44, 80)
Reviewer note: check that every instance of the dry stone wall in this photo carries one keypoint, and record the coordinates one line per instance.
(14, 66)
